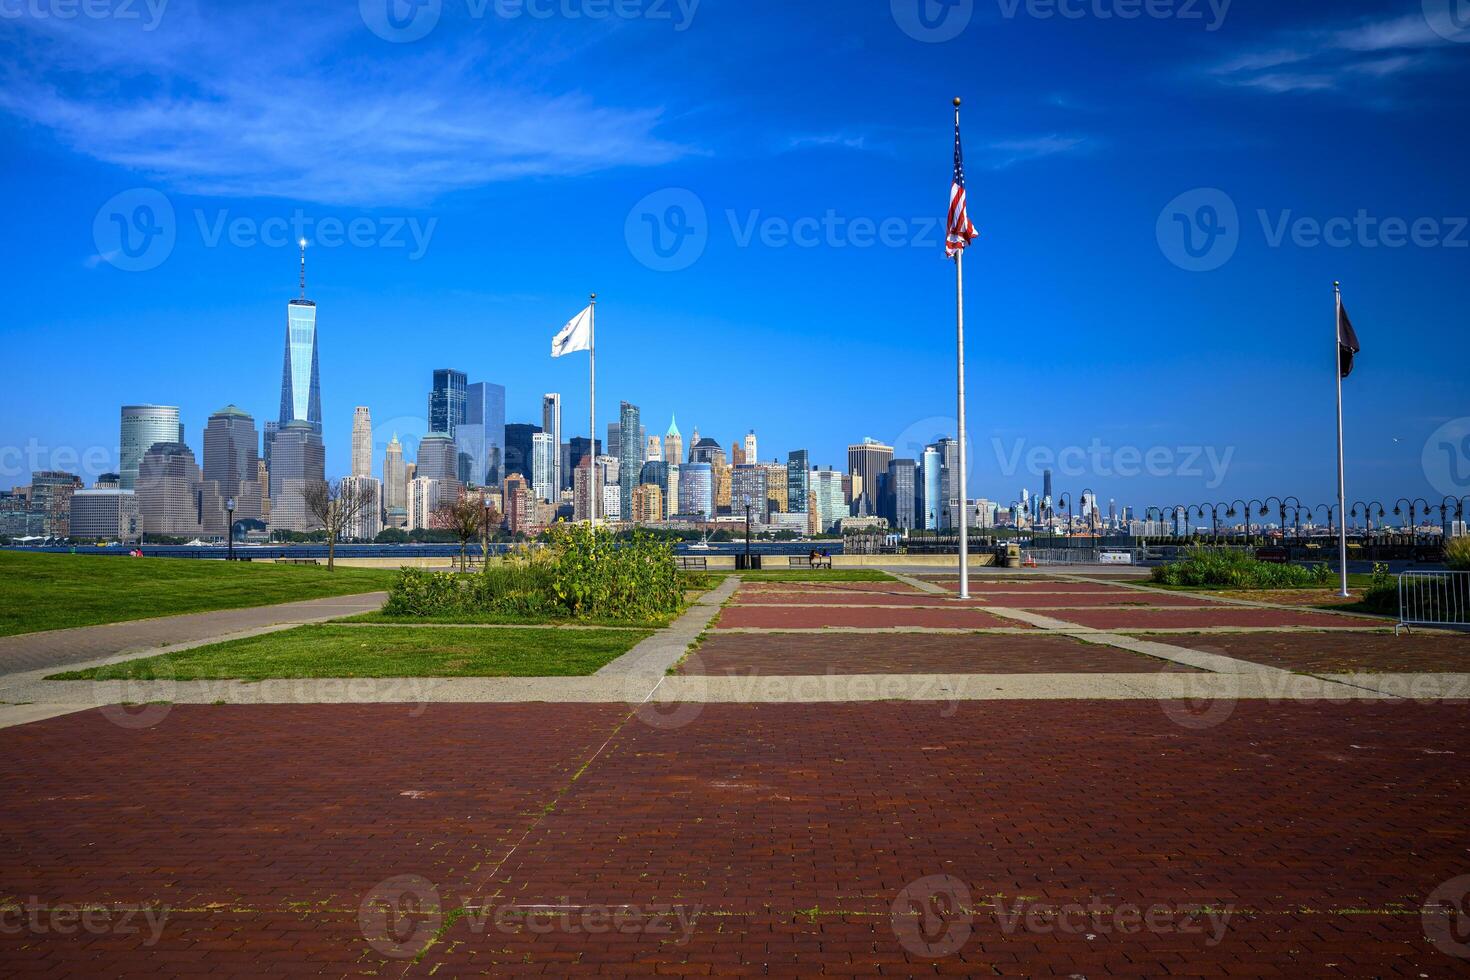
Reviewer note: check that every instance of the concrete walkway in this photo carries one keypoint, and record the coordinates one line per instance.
(655, 655)
(61, 648)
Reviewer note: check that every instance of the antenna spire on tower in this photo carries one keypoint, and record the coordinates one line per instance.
(303, 268)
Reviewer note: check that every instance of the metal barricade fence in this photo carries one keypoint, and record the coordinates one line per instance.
(1434, 599)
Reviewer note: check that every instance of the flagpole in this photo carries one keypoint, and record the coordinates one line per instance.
(594, 475)
(1341, 468)
(959, 285)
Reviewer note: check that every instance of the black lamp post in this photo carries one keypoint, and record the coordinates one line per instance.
(1245, 510)
(1330, 508)
(1089, 496)
(1068, 498)
(230, 535)
(746, 501)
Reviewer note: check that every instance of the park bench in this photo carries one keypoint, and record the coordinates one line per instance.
(297, 561)
(805, 561)
(689, 564)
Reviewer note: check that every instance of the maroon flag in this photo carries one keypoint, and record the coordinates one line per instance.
(1347, 341)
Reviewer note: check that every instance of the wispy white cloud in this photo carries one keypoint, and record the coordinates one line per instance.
(1009, 152)
(217, 106)
(846, 141)
(1332, 59)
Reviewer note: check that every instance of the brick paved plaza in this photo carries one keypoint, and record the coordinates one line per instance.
(1301, 833)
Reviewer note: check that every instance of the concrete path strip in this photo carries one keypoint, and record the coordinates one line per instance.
(61, 648)
(653, 657)
(921, 585)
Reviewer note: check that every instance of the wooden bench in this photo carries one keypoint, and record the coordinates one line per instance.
(691, 564)
(298, 561)
(805, 561)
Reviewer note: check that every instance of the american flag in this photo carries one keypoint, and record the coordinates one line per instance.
(960, 230)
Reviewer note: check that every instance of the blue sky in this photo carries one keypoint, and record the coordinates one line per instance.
(463, 190)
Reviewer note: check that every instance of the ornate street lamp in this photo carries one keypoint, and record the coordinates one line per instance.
(1089, 496)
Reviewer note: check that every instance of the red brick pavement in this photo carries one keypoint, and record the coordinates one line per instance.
(1219, 615)
(1343, 653)
(767, 598)
(1117, 597)
(744, 654)
(894, 586)
(791, 829)
(817, 617)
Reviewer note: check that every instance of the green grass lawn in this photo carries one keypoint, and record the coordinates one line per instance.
(388, 651)
(809, 575)
(502, 619)
(50, 591)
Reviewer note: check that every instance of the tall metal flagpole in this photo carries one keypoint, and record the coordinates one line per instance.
(959, 285)
(1341, 469)
(594, 476)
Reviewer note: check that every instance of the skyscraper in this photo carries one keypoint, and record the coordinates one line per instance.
(479, 436)
(543, 466)
(580, 448)
(142, 426)
(697, 490)
(447, 401)
(301, 383)
(654, 449)
(551, 425)
(368, 520)
(438, 461)
(750, 454)
(297, 461)
(168, 490)
(673, 444)
(748, 487)
(949, 456)
(231, 462)
(395, 485)
(826, 492)
(867, 461)
(931, 497)
(518, 448)
(362, 441)
(901, 493)
(630, 458)
(797, 481)
(615, 438)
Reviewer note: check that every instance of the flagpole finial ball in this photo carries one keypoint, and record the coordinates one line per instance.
(957, 102)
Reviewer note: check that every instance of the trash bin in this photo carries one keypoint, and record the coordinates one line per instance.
(1013, 556)
(747, 563)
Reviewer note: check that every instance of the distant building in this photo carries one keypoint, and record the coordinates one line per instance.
(142, 426)
(423, 500)
(737, 454)
(949, 460)
(586, 489)
(106, 481)
(612, 502)
(867, 462)
(447, 401)
(697, 489)
(723, 482)
(362, 441)
(931, 489)
(580, 448)
(232, 465)
(551, 424)
(653, 449)
(901, 494)
(439, 460)
(671, 489)
(368, 521)
(673, 444)
(298, 462)
(826, 490)
(543, 466)
(106, 515)
(648, 503)
(748, 487)
(395, 485)
(301, 383)
(518, 448)
(777, 492)
(50, 495)
(520, 505)
(630, 456)
(707, 451)
(168, 491)
(480, 437)
(798, 465)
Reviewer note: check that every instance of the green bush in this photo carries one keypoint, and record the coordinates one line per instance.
(579, 574)
(1382, 594)
(1457, 554)
(1223, 569)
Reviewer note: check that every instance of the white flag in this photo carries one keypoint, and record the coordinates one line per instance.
(575, 336)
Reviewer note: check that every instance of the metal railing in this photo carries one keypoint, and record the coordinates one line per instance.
(1083, 556)
(1433, 599)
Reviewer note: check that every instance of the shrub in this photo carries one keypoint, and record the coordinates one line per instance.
(579, 574)
(1457, 554)
(1223, 569)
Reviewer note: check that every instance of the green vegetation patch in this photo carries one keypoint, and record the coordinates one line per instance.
(387, 651)
(40, 591)
(813, 575)
(1221, 569)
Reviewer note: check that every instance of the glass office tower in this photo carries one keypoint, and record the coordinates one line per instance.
(142, 426)
(479, 432)
(447, 401)
(301, 383)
